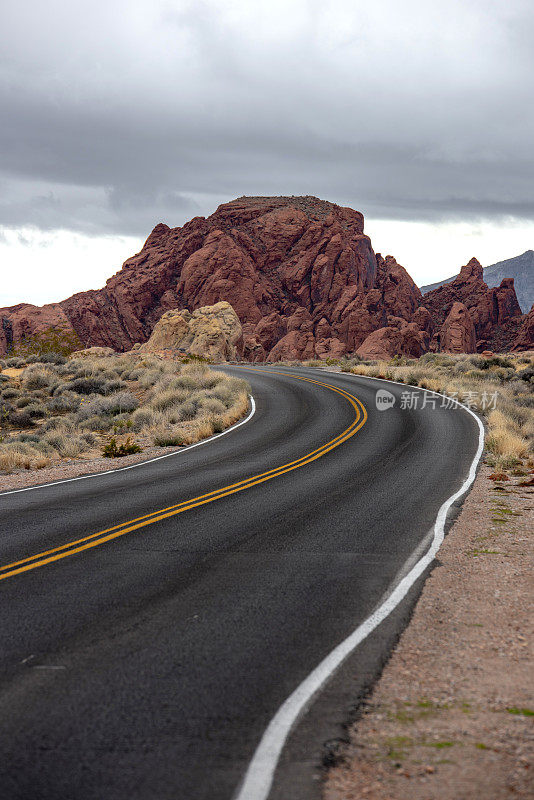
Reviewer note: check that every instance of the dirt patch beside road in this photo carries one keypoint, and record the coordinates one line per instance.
(453, 714)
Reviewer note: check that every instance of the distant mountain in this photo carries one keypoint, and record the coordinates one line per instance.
(520, 268)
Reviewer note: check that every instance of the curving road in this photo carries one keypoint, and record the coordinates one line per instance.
(145, 662)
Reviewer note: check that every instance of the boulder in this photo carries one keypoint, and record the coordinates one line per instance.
(213, 332)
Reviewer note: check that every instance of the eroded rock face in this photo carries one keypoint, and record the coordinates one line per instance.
(24, 321)
(495, 313)
(458, 331)
(299, 272)
(525, 337)
(213, 332)
(397, 338)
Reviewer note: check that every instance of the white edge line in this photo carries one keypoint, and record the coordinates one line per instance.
(140, 463)
(258, 779)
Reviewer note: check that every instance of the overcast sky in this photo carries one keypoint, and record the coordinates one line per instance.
(119, 114)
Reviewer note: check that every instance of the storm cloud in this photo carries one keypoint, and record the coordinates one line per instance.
(119, 115)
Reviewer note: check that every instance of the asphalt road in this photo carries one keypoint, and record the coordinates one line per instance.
(149, 666)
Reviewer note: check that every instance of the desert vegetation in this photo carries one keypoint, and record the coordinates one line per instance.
(500, 387)
(55, 408)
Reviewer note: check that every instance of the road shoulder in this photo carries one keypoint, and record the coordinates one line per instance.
(451, 715)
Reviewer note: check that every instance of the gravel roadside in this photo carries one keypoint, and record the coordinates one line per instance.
(74, 467)
(452, 716)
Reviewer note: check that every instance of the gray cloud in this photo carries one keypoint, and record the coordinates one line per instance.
(154, 111)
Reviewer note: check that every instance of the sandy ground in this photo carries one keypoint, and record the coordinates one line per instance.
(453, 715)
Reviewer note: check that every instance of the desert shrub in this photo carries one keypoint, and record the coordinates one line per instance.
(142, 418)
(166, 399)
(186, 382)
(23, 401)
(15, 362)
(212, 405)
(97, 422)
(475, 375)
(527, 374)
(45, 449)
(57, 423)
(21, 419)
(10, 393)
(501, 374)
(26, 437)
(66, 445)
(112, 405)
(477, 361)
(51, 358)
(168, 417)
(86, 385)
(114, 385)
(437, 359)
(461, 367)
(113, 450)
(56, 439)
(504, 442)
(20, 455)
(63, 402)
(149, 377)
(188, 410)
(121, 402)
(495, 361)
(217, 423)
(131, 375)
(35, 410)
(110, 373)
(168, 439)
(526, 400)
(180, 393)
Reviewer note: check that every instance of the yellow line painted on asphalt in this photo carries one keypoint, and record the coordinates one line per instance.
(96, 539)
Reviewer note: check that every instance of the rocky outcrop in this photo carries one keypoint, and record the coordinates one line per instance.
(301, 276)
(212, 332)
(458, 331)
(397, 338)
(24, 321)
(491, 310)
(525, 337)
(520, 268)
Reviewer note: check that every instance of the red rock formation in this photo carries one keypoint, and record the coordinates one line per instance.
(525, 337)
(495, 313)
(458, 331)
(397, 338)
(24, 321)
(300, 274)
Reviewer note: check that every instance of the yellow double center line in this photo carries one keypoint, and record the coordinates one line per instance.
(96, 539)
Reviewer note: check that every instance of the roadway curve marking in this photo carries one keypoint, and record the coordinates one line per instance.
(101, 537)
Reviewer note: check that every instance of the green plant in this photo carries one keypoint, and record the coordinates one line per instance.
(169, 440)
(113, 450)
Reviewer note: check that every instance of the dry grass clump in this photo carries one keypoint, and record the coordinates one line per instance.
(501, 388)
(69, 408)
